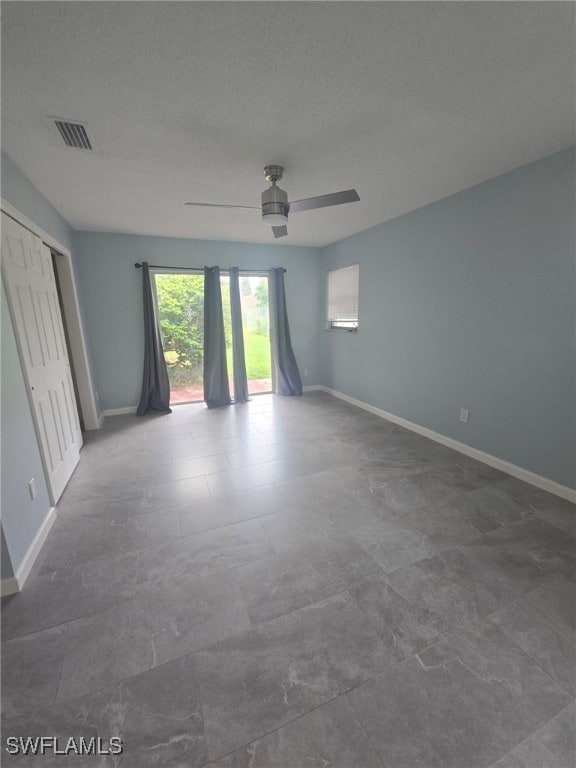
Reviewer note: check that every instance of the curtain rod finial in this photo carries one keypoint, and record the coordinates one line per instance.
(137, 265)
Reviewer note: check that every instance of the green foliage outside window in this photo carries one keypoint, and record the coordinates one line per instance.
(181, 310)
(181, 315)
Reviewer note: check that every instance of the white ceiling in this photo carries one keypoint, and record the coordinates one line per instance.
(407, 102)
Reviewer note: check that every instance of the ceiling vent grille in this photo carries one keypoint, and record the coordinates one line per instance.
(74, 134)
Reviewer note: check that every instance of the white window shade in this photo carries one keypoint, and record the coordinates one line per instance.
(343, 297)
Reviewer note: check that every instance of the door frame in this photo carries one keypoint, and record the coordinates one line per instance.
(224, 272)
(80, 360)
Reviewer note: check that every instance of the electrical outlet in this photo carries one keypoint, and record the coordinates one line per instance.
(305, 373)
(464, 414)
(32, 488)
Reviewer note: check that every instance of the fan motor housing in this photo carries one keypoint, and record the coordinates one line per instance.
(274, 203)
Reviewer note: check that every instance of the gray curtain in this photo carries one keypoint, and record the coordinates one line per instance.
(287, 379)
(240, 379)
(155, 394)
(216, 389)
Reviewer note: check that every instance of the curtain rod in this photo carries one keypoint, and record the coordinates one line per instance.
(200, 269)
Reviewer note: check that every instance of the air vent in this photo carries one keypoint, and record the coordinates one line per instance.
(74, 134)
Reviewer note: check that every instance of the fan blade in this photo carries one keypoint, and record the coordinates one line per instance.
(280, 231)
(336, 198)
(218, 205)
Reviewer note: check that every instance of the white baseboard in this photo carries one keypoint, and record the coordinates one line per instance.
(313, 388)
(15, 583)
(119, 411)
(99, 422)
(9, 586)
(493, 461)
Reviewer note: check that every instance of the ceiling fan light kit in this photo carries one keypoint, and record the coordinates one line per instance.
(275, 219)
(275, 206)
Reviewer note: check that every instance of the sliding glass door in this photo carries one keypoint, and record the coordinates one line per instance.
(180, 302)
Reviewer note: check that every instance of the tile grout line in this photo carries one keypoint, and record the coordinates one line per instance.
(522, 741)
(206, 647)
(294, 720)
(529, 656)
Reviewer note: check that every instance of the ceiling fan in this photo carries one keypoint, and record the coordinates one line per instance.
(275, 206)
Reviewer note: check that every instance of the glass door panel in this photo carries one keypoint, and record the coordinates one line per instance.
(180, 301)
(256, 326)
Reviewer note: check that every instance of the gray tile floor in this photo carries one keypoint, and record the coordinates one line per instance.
(294, 582)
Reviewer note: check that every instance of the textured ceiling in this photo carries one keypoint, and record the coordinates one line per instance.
(406, 102)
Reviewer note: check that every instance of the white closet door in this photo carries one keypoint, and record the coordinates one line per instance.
(33, 299)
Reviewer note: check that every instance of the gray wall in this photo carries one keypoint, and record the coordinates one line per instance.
(19, 190)
(112, 291)
(6, 570)
(469, 302)
(21, 515)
